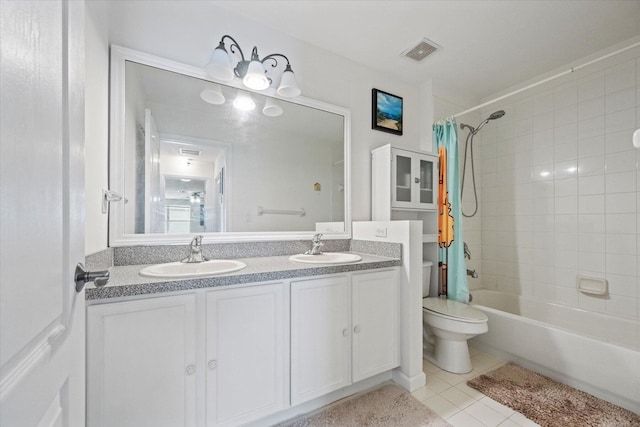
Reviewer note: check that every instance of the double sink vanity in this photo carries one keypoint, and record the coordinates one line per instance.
(264, 331)
(254, 345)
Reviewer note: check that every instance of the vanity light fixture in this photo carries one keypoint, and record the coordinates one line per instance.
(252, 71)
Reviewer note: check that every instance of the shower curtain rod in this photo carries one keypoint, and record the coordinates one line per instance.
(548, 79)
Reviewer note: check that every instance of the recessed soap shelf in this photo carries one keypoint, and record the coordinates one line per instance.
(592, 285)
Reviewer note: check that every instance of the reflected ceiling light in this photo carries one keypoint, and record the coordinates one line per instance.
(212, 94)
(272, 108)
(252, 71)
(244, 102)
(185, 179)
(636, 138)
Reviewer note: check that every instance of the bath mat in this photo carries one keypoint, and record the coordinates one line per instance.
(385, 406)
(548, 402)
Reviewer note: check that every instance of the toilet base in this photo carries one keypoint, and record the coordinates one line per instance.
(452, 356)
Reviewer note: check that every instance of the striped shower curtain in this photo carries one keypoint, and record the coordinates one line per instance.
(453, 277)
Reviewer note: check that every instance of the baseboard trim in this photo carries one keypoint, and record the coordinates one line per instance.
(409, 383)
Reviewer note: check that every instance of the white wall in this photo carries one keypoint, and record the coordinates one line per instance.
(96, 123)
(560, 189)
(187, 31)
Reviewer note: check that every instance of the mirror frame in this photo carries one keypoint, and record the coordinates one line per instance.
(117, 237)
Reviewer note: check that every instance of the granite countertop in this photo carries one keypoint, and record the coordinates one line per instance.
(125, 280)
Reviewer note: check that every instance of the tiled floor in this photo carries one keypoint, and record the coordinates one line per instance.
(450, 397)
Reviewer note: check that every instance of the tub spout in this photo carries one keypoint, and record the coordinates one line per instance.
(472, 273)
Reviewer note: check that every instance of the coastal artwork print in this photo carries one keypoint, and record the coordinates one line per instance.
(386, 112)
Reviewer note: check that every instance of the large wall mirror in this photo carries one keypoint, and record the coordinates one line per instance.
(191, 156)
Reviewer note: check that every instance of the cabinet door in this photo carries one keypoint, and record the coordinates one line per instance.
(245, 354)
(403, 175)
(375, 323)
(426, 188)
(141, 359)
(320, 337)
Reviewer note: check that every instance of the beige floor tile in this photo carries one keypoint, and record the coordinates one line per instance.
(441, 406)
(462, 419)
(423, 393)
(470, 391)
(451, 378)
(485, 414)
(458, 397)
(497, 406)
(437, 384)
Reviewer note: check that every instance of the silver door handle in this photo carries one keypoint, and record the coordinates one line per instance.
(82, 277)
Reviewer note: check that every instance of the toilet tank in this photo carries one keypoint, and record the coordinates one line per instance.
(426, 277)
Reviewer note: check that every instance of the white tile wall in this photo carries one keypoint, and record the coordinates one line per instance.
(560, 191)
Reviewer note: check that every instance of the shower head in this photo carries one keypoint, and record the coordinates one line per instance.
(496, 115)
(493, 116)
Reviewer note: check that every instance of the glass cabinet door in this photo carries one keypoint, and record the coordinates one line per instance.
(426, 181)
(404, 174)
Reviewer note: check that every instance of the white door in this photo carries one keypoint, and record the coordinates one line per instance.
(41, 213)
(320, 337)
(245, 354)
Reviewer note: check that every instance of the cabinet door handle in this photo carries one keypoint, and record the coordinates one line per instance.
(191, 369)
(213, 364)
(345, 332)
(357, 329)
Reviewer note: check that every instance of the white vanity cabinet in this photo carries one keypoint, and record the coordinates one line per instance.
(343, 330)
(245, 354)
(141, 362)
(402, 180)
(152, 362)
(231, 356)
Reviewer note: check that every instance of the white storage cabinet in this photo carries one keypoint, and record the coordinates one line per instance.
(342, 331)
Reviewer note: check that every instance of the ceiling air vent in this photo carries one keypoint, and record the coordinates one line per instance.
(421, 50)
(188, 152)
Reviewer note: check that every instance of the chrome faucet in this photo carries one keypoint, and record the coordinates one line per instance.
(317, 244)
(467, 252)
(472, 273)
(196, 251)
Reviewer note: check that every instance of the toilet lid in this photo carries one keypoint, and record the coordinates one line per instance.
(455, 309)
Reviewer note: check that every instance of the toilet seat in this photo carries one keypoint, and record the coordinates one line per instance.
(453, 310)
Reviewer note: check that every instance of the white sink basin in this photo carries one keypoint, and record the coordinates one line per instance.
(326, 258)
(196, 269)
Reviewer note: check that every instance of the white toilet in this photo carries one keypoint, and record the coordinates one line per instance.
(448, 324)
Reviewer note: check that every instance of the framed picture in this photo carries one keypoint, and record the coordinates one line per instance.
(386, 112)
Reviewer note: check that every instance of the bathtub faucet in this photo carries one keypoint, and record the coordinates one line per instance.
(472, 273)
(467, 252)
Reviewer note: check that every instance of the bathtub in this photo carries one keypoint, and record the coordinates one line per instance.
(593, 352)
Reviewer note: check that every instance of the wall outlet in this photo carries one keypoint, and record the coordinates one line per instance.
(381, 231)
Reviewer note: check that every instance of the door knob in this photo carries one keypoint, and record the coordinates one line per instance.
(82, 277)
